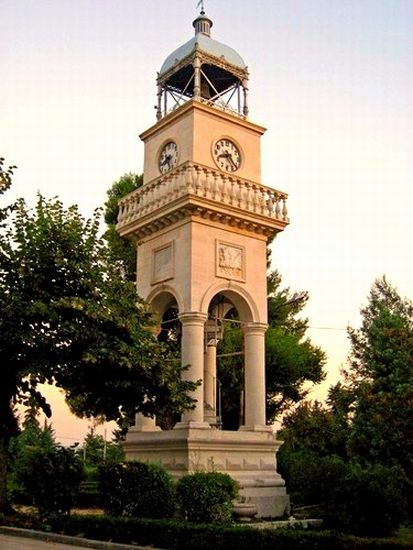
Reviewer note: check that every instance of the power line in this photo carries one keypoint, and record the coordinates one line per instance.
(328, 328)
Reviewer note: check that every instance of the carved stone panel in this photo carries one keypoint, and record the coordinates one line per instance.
(230, 261)
(163, 263)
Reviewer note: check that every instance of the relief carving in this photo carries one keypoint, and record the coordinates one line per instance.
(163, 263)
(230, 261)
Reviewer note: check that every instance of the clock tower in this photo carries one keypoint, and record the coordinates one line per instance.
(202, 221)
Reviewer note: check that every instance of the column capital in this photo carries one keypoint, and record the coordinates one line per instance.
(193, 318)
(255, 328)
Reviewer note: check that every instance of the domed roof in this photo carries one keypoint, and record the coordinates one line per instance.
(203, 42)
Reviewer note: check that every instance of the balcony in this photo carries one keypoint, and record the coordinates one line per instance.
(193, 190)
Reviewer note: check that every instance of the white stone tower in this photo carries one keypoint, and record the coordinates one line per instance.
(201, 222)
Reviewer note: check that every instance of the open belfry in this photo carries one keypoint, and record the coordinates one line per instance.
(201, 222)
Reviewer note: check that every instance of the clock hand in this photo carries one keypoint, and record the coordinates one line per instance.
(232, 162)
(166, 160)
(227, 155)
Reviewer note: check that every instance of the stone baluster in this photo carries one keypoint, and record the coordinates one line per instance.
(269, 203)
(130, 209)
(182, 177)
(285, 209)
(220, 187)
(207, 184)
(144, 198)
(238, 193)
(197, 180)
(173, 186)
(162, 191)
(262, 201)
(232, 191)
(189, 180)
(149, 204)
(255, 198)
(277, 206)
(121, 213)
(155, 194)
(215, 190)
(247, 196)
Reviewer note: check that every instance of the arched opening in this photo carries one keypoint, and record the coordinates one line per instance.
(224, 380)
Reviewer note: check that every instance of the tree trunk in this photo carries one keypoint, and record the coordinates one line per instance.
(8, 428)
(3, 476)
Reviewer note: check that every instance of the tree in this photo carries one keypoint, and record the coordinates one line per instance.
(291, 361)
(365, 430)
(69, 316)
(33, 437)
(95, 450)
(51, 478)
(313, 454)
(380, 378)
(121, 250)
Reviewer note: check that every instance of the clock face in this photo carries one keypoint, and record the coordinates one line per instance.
(168, 157)
(226, 155)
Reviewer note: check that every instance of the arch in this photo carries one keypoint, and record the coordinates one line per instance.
(161, 298)
(241, 299)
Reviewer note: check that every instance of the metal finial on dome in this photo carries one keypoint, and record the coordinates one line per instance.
(201, 3)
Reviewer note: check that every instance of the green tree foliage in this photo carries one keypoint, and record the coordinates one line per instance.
(291, 360)
(32, 436)
(366, 500)
(380, 377)
(366, 426)
(6, 176)
(122, 251)
(96, 451)
(51, 478)
(313, 455)
(70, 317)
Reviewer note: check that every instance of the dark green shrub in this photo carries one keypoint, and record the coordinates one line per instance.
(186, 536)
(137, 489)
(206, 497)
(367, 501)
(310, 478)
(51, 479)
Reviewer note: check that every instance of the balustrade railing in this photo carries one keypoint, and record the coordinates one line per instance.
(199, 181)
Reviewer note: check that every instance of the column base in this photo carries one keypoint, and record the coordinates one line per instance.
(185, 425)
(256, 428)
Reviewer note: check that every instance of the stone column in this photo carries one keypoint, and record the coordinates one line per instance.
(145, 424)
(192, 353)
(254, 344)
(211, 374)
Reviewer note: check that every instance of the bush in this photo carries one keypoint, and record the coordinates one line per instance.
(186, 536)
(367, 501)
(51, 479)
(206, 497)
(310, 478)
(136, 489)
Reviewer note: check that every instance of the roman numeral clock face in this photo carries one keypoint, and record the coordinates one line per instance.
(226, 155)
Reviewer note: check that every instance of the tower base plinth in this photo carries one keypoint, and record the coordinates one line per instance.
(249, 457)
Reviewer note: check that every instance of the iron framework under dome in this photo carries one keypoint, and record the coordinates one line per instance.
(203, 70)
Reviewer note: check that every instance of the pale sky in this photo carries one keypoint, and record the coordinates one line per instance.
(331, 80)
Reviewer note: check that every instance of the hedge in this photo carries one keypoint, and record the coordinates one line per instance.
(173, 535)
